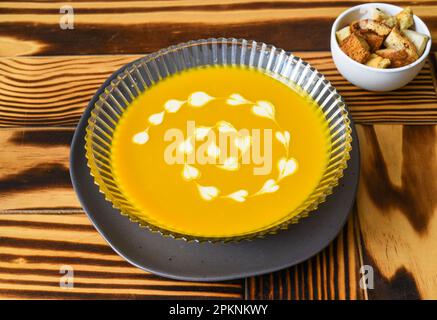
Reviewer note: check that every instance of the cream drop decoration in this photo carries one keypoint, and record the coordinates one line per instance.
(286, 166)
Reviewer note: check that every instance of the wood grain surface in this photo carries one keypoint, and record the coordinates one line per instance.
(332, 274)
(393, 230)
(43, 228)
(35, 246)
(119, 27)
(42, 91)
(34, 169)
(397, 209)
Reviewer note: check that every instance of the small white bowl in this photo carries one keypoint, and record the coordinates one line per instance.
(370, 78)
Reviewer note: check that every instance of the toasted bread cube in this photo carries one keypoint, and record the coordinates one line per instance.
(398, 58)
(398, 41)
(343, 34)
(375, 26)
(372, 31)
(374, 40)
(405, 18)
(379, 15)
(376, 61)
(356, 47)
(355, 26)
(418, 39)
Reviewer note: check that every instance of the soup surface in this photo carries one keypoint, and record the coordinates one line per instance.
(219, 151)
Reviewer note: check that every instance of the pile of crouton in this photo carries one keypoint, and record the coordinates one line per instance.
(383, 41)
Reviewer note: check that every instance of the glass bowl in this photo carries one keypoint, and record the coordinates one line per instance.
(138, 76)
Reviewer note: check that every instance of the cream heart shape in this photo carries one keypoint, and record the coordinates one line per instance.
(269, 186)
(287, 167)
(236, 99)
(141, 137)
(242, 143)
(230, 164)
(202, 132)
(190, 172)
(239, 195)
(283, 137)
(173, 105)
(225, 127)
(264, 109)
(186, 147)
(208, 192)
(199, 99)
(213, 150)
(156, 118)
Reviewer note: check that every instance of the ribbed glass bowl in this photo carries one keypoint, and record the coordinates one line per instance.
(137, 77)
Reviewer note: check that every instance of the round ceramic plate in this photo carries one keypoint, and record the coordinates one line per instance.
(193, 261)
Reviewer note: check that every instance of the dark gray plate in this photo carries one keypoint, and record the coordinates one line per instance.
(211, 262)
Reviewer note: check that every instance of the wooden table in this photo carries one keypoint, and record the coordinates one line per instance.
(48, 75)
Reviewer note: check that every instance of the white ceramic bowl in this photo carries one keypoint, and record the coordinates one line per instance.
(370, 78)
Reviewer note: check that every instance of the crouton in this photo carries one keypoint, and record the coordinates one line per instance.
(374, 40)
(379, 15)
(419, 39)
(383, 41)
(398, 58)
(372, 31)
(355, 26)
(377, 27)
(356, 47)
(343, 34)
(377, 61)
(405, 18)
(397, 40)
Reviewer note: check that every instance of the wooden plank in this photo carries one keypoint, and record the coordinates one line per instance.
(34, 169)
(43, 91)
(331, 274)
(53, 231)
(34, 248)
(119, 27)
(397, 209)
(38, 91)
